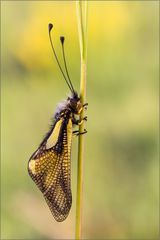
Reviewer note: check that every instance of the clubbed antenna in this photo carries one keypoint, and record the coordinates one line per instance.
(64, 58)
(50, 26)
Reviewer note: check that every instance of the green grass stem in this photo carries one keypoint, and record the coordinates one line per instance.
(82, 29)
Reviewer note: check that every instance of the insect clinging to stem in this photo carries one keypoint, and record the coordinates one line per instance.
(49, 166)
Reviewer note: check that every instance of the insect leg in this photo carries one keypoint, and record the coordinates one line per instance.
(80, 133)
(77, 132)
(79, 122)
(85, 118)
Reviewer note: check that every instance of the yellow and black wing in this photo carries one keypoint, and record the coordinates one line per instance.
(49, 167)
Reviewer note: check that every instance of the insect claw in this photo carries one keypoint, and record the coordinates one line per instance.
(85, 106)
(85, 118)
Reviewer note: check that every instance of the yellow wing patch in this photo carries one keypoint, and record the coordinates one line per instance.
(52, 140)
(32, 166)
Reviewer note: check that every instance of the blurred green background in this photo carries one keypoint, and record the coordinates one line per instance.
(121, 155)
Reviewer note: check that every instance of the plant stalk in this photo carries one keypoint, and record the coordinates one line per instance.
(82, 28)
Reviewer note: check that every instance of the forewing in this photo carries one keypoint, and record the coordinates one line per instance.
(50, 170)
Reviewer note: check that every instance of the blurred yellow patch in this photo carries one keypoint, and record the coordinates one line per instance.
(32, 166)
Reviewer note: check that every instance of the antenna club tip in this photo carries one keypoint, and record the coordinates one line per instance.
(50, 26)
(62, 39)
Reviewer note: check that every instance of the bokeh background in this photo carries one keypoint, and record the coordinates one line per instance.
(121, 198)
